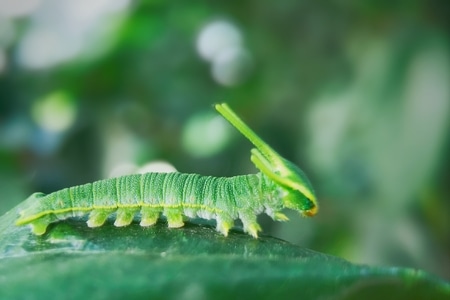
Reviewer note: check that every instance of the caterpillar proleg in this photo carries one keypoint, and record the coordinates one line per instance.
(280, 184)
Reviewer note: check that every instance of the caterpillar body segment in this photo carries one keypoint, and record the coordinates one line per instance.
(172, 194)
(280, 184)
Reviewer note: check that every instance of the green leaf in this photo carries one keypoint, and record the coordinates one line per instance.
(72, 261)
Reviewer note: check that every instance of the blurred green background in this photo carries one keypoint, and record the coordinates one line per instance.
(356, 93)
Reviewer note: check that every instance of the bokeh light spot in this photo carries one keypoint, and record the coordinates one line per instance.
(62, 30)
(55, 113)
(122, 169)
(232, 66)
(215, 37)
(220, 43)
(157, 166)
(205, 134)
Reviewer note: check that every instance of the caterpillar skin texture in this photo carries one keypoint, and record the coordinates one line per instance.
(279, 185)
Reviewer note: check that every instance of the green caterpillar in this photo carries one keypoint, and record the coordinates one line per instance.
(279, 185)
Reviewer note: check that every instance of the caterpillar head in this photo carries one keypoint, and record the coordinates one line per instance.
(298, 193)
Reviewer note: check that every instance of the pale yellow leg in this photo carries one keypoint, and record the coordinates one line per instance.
(224, 224)
(97, 217)
(252, 229)
(250, 225)
(174, 217)
(125, 216)
(280, 217)
(39, 226)
(149, 216)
